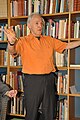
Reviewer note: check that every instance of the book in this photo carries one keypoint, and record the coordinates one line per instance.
(74, 90)
(20, 7)
(36, 6)
(75, 5)
(3, 8)
(17, 119)
(2, 57)
(73, 65)
(51, 7)
(42, 7)
(25, 7)
(62, 6)
(29, 7)
(15, 8)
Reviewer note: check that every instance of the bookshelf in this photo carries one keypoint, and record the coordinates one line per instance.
(58, 13)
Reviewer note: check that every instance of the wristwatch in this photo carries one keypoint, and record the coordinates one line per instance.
(11, 44)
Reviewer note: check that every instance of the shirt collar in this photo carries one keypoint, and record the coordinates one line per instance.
(32, 36)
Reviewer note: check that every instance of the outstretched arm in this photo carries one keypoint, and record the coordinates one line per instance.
(11, 40)
(71, 45)
(5, 90)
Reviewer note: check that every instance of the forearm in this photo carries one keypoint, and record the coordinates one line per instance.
(71, 45)
(11, 40)
(11, 49)
(3, 88)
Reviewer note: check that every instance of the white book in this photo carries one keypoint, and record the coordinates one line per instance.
(42, 7)
(61, 29)
(14, 105)
(29, 7)
(74, 65)
(77, 29)
(51, 6)
(45, 7)
(64, 84)
(62, 60)
(74, 90)
(65, 110)
(36, 6)
(62, 6)
(65, 28)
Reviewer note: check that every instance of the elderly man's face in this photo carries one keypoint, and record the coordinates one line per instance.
(36, 25)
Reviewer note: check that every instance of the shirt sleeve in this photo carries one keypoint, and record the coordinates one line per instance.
(18, 47)
(59, 46)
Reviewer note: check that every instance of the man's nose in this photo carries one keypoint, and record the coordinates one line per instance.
(40, 25)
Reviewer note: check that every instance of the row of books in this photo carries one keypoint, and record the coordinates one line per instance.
(17, 105)
(63, 109)
(26, 7)
(2, 35)
(3, 58)
(15, 61)
(62, 83)
(16, 80)
(75, 32)
(45, 7)
(20, 30)
(55, 28)
(61, 60)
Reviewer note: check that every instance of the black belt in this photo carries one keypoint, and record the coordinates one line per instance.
(39, 74)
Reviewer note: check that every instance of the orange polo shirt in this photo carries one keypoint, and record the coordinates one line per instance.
(37, 55)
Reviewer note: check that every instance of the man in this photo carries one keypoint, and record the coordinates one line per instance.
(37, 52)
(5, 94)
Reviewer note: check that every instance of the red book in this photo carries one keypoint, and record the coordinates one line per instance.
(78, 5)
(72, 29)
(75, 5)
(48, 7)
(20, 7)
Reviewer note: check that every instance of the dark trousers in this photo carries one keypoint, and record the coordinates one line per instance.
(40, 89)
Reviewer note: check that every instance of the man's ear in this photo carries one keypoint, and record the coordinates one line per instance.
(29, 26)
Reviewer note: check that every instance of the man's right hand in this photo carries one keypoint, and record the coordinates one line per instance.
(11, 93)
(10, 35)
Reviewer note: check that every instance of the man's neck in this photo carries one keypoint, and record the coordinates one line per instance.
(38, 37)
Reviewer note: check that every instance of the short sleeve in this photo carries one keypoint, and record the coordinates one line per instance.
(59, 46)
